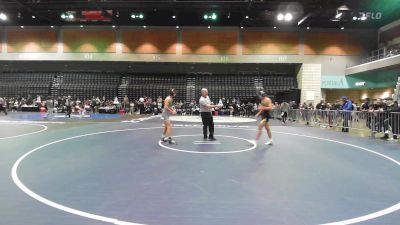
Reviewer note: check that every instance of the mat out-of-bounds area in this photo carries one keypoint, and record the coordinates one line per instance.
(121, 173)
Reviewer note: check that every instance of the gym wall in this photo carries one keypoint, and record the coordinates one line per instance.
(188, 41)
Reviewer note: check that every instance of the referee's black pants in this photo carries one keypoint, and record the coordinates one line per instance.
(208, 123)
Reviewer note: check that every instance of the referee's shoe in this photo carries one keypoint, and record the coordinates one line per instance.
(211, 138)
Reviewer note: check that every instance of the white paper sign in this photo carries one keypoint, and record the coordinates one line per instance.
(310, 95)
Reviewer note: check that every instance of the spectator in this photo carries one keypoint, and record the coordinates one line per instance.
(391, 120)
(284, 111)
(68, 104)
(131, 108)
(2, 106)
(49, 107)
(159, 104)
(365, 105)
(321, 105)
(346, 106)
(125, 103)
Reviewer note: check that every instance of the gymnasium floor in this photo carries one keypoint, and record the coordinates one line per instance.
(75, 172)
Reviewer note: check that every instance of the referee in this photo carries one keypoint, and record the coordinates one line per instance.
(206, 116)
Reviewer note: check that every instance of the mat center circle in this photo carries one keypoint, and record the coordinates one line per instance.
(194, 143)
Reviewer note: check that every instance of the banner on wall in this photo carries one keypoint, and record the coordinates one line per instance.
(334, 82)
(373, 80)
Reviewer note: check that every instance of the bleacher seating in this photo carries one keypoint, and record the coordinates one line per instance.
(231, 86)
(87, 85)
(275, 84)
(24, 84)
(140, 85)
(227, 86)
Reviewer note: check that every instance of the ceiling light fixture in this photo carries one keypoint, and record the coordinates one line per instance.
(338, 15)
(212, 16)
(67, 16)
(303, 19)
(137, 16)
(343, 8)
(288, 17)
(3, 16)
